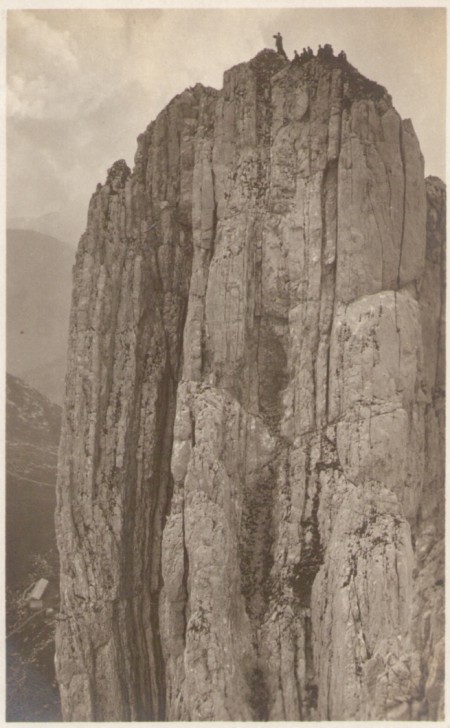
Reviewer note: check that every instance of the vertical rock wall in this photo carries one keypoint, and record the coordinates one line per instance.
(251, 470)
(131, 283)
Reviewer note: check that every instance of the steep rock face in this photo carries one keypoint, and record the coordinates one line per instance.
(251, 467)
(129, 305)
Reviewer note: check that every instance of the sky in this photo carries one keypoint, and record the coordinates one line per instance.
(82, 84)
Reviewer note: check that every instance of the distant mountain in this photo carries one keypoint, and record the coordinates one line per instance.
(67, 227)
(39, 284)
(32, 435)
(33, 425)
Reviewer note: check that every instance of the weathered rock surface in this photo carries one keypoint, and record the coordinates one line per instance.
(251, 485)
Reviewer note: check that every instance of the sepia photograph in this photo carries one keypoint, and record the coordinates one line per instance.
(225, 362)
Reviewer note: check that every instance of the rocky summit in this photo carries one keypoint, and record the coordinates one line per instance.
(251, 478)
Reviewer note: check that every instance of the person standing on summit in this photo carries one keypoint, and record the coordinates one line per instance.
(279, 44)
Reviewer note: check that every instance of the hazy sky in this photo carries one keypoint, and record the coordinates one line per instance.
(82, 84)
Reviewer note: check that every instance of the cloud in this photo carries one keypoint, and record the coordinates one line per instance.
(54, 73)
(34, 40)
(51, 161)
(83, 84)
(40, 64)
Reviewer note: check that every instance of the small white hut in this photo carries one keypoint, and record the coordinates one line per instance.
(34, 598)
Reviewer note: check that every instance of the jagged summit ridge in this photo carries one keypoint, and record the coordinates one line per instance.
(270, 62)
(251, 476)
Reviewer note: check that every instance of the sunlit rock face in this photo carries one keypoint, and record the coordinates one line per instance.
(251, 474)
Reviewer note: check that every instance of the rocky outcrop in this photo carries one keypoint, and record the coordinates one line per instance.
(251, 468)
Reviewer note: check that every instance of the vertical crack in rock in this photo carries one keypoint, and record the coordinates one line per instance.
(256, 558)
(251, 473)
(271, 326)
(312, 554)
(327, 288)
(402, 156)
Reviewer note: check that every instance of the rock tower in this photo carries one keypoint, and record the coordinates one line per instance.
(251, 476)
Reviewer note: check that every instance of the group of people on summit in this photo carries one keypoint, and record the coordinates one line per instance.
(307, 53)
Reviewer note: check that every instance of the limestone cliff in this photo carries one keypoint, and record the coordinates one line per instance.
(250, 498)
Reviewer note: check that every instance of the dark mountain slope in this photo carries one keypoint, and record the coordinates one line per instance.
(39, 282)
(32, 435)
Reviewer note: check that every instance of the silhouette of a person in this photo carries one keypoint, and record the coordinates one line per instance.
(279, 44)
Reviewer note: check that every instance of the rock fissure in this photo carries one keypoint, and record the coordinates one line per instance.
(402, 157)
